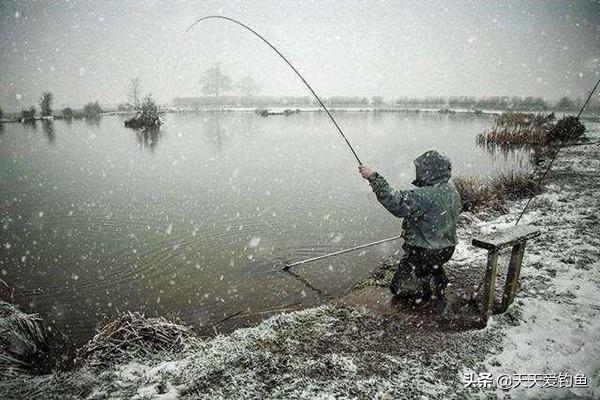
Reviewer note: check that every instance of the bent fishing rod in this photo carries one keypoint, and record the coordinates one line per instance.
(289, 64)
(288, 266)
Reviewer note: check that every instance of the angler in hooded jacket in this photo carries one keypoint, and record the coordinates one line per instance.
(430, 215)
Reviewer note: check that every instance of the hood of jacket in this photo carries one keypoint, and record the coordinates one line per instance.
(431, 168)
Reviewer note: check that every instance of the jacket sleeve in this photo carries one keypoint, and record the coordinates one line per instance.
(401, 203)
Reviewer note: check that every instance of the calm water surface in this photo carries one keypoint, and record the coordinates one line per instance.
(98, 219)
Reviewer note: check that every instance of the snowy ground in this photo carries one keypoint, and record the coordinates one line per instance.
(560, 294)
(347, 351)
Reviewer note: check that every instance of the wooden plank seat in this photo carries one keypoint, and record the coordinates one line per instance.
(516, 237)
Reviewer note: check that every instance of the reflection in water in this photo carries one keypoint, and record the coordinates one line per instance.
(219, 133)
(30, 124)
(522, 155)
(93, 121)
(148, 138)
(48, 127)
(213, 131)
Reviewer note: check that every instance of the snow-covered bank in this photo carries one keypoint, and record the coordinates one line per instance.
(318, 353)
(560, 293)
(355, 352)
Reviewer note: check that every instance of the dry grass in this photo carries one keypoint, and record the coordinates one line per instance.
(518, 128)
(23, 342)
(477, 194)
(517, 185)
(514, 128)
(491, 194)
(134, 333)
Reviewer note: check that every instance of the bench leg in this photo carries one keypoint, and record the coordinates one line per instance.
(512, 278)
(489, 286)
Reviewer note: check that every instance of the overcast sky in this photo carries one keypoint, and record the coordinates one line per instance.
(88, 50)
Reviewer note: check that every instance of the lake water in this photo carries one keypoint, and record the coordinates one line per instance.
(98, 219)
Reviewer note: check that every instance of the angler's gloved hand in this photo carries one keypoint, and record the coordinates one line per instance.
(365, 171)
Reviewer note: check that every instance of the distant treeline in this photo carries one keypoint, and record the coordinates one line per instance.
(241, 101)
(498, 103)
(275, 101)
(89, 111)
(438, 102)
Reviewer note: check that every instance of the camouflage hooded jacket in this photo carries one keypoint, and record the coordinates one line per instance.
(431, 211)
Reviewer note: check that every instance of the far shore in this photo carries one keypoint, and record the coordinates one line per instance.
(285, 111)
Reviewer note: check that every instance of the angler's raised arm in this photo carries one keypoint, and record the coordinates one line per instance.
(397, 202)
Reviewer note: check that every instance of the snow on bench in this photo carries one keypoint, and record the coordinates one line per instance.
(494, 242)
(508, 237)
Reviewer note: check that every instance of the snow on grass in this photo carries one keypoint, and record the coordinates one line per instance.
(560, 327)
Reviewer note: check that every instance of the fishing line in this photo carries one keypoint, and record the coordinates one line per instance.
(556, 155)
(289, 64)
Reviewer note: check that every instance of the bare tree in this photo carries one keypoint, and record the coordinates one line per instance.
(214, 81)
(134, 92)
(247, 87)
(46, 104)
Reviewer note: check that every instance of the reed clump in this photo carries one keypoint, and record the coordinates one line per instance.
(516, 185)
(132, 333)
(23, 342)
(515, 128)
(492, 193)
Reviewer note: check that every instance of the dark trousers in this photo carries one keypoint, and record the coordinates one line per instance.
(417, 269)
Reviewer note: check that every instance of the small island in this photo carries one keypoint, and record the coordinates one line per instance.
(147, 116)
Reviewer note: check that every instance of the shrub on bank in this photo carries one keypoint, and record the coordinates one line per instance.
(566, 129)
(28, 115)
(92, 110)
(67, 113)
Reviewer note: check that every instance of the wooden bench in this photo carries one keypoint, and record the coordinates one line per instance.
(494, 242)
